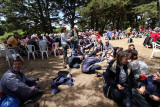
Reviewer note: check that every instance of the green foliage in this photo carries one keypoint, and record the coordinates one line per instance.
(29, 15)
(21, 35)
(2, 30)
(148, 10)
(57, 30)
(68, 7)
(119, 14)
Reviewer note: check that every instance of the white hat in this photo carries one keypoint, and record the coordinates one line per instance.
(33, 36)
(75, 26)
(106, 40)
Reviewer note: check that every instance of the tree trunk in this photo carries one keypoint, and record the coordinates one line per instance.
(92, 23)
(97, 25)
(158, 18)
(73, 9)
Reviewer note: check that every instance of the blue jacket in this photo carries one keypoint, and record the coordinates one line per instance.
(61, 80)
(89, 62)
(76, 53)
(152, 87)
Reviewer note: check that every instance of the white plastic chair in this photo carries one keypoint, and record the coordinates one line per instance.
(5, 46)
(56, 44)
(156, 48)
(43, 49)
(31, 49)
(14, 54)
(2, 51)
(11, 54)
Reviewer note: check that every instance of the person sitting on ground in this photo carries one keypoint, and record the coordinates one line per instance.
(138, 67)
(99, 46)
(32, 41)
(135, 64)
(93, 37)
(86, 44)
(130, 47)
(119, 81)
(148, 95)
(98, 36)
(15, 84)
(76, 57)
(106, 48)
(89, 64)
(113, 56)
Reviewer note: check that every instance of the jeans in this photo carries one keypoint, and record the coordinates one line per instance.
(140, 100)
(74, 62)
(145, 100)
(74, 44)
(95, 67)
(123, 97)
(15, 49)
(64, 50)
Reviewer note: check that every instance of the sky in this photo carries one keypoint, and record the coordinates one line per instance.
(56, 25)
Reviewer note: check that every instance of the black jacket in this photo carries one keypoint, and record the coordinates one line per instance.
(111, 77)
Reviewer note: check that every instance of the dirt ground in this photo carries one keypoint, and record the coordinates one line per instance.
(88, 89)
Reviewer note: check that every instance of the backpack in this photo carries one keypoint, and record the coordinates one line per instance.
(130, 40)
(144, 68)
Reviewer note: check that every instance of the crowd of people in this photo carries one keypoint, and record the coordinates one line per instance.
(123, 82)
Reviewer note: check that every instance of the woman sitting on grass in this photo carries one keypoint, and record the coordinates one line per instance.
(119, 81)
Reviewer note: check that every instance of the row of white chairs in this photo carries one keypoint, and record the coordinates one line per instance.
(43, 48)
(11, 54)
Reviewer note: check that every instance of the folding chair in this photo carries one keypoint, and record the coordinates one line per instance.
(43, 49)
(31, 49)
(156, 48)
(55, 47)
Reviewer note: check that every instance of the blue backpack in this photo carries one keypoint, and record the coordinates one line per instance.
(9, 101)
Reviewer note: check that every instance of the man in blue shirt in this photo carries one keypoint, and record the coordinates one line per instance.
(109, 34)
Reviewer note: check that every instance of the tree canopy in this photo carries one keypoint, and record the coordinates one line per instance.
(35, 16)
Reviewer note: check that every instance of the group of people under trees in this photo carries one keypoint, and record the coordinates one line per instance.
(123, 82)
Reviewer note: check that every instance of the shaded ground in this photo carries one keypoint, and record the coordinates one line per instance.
(87, 90)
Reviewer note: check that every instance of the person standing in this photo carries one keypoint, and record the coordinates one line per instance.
(74, 37)
(64, 42)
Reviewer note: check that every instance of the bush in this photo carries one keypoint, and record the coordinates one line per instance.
(21, 35)
(2, 31)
